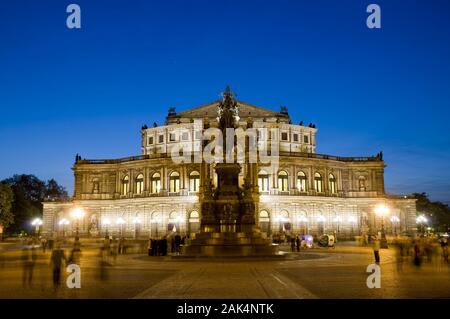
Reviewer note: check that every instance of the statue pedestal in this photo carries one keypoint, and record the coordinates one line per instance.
(227, 226)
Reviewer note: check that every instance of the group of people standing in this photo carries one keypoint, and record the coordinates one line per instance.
(159, 247)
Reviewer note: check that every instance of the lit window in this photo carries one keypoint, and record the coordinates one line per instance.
(185, 136)
(283, 181)
(155, 183)
(318, 183)
(263, 181)
(139, 184)
(125, 185)
(332, 183)
(301, 181)
(174, 182)
(194, 181)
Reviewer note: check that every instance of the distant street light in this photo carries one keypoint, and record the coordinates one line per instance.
(120, 221)
(78, 214)
(337, 220)
(304, 220)
(63, 222)
(137, 223)
(352, 220)
(395, 220)
(382, 210)
(37, 222)
(106, 222)
(422, 220)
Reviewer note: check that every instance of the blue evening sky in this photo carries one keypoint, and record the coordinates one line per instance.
(88, 91)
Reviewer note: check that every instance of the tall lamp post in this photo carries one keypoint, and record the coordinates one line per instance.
(63, 223)
(137, 223)
(106, 222)
(321, 221)
(37, 222)
(382, 210)
(352, 220)
(304, 220)
(337, 220)
(395, 220)
(421, 220)
(120, 222)
(78, 215)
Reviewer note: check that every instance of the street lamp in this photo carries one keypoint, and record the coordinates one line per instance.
(421, 220)
(63, 222)
(106, 222)
(352, 220)
(120, 221)
(382, 210)
(304, 220)
(136, 222)
(37, 222)
(321, 219)
(78, 214)
(395, 220)
(337, 220)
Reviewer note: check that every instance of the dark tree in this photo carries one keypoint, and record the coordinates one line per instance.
(54, 191)
(437, 213)
(29, 193)
(6, 200)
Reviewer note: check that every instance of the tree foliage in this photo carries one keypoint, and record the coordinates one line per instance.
(437, 213)
(6, 200)
(29, 193)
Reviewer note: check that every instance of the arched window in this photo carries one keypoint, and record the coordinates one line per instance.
(332, 184)
(283, 181)
(318, 183)
(263, 216)
(194, 222)
(362, 183)
(194, 181)
(194, 215)
(301, 181)
(263, 181)
(174, 182)
(139, 184)
(155, 183)
(125, 185)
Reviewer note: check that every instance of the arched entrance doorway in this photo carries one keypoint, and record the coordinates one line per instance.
(194, 222)
(264, 221)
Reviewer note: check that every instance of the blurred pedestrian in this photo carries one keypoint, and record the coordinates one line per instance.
(29, 257)
(57, 261)
(149, 247)
(44, 244)
(75, 254)
(292, 244)
(417, 260)
(177, 244)
(376, 249)
(297, 243)
(444, 247)
(104, 261)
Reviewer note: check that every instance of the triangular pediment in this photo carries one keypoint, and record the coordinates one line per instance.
(245, 110)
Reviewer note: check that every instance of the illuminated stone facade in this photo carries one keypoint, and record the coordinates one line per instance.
(152, 196)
